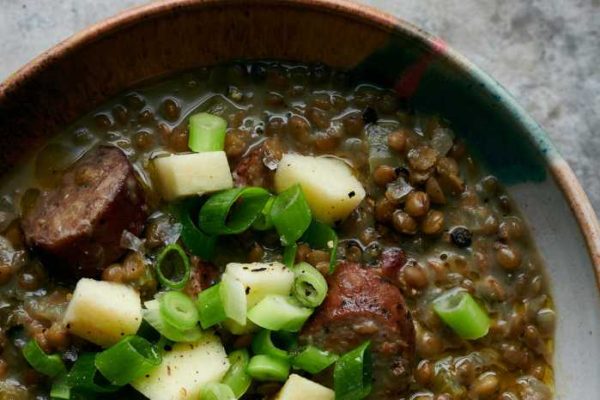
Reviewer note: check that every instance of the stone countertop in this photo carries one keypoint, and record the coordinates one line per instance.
(545, 52)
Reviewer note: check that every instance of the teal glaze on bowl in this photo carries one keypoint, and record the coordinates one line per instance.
(165, 37)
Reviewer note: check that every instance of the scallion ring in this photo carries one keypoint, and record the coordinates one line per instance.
(83, 375)
(289, 254)
(290, 214)
(313, 360)
(277, 312)
(310, 287)
(232, 211)
(173, 262)
(267, 368)
(262, 343)
(127, 360)
(460, 311)
(207, 132)
(47, 364)
(263, 222)
(216, 391)
(195, 240)
(353, 374)
(210, 306)
(236, 377)
(178, 310)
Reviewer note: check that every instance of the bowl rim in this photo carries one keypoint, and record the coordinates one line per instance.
(559, 169)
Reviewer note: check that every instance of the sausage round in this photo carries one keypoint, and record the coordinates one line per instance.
(80, 222)
(362, 305)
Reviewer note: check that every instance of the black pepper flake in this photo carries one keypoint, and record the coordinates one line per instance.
(167, 347)
(247, 289)
(351, 194)
(258, 269)
(369, 116)
(461, 236)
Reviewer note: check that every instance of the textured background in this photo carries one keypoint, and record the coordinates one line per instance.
(545, 52)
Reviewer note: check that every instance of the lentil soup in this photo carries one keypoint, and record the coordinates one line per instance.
(394, 256)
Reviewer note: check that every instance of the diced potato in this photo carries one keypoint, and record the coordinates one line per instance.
(330, 188)
(299, 388)
(184, 370)
(103, 312)
(261, 279)
(194, 173)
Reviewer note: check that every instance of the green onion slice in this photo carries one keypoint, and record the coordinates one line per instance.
(207, 132)
(266, 368)
(127, 360)
(353, 374)
(216, 391)
(289, 254)
(277, 312)
(232, 211)
(322, 236)
(47, 364)
(290, 214)
(154, 318)
(460, 311)
(310, 287)
(173, 267)
(263, 222)
(197, 242)
(313, 360)
(263, 344)
(178, 310)
(83, 375)
(236, 377)
(233, 296)
(210, 306)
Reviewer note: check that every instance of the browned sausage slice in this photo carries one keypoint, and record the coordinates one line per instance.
(362, 305)
(81, 221)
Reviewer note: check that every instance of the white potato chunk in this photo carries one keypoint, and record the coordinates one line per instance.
(194, 173)
(259, 280)
(103, 312)
(298, 388)
(184, 370)
(262, 279)
(330, 188)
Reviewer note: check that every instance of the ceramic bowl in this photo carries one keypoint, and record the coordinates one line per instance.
(165, 37)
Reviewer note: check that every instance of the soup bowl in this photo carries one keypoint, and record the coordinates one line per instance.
(166, 37)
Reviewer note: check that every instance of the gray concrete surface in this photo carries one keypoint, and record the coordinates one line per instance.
(545, 52)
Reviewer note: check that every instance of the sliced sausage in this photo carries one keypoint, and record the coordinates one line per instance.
(203, 275)
(257, 168)
(362, 305)
(80, 222)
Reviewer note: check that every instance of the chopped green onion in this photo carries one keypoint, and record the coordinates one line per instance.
(172, 261)
(310, 288)
(263, 344)
(290, 214)
(263, 221)
(266, 368)
(197, 242)
(216, 391)
(47, 364)
(60, 389)
(178, 310)
(277, 312)
(233, 296)
(313, 360)
(210, 306)
(322, 236)
(153, 317)
(289, 254)
(236, 377)
(207, 132)
(232, 211)
(83, 375)
(460, 311)
(127, 360)
(353, 374)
